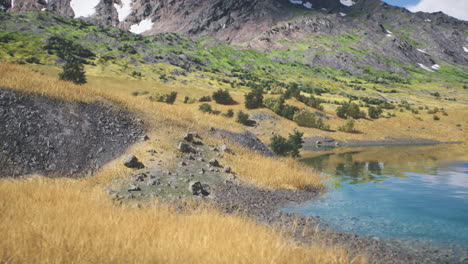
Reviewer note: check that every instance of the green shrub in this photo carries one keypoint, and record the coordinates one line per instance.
(73, 71)
(254, 99)
(33, 60)
(288, 111)
(276, 90)
(171, 97)
(223, 97)
(243, 118)
(229, 113)
(375, 112)
(290, 147)
(167, 98)
(350, 110)
(205, 99)
(136, 74)
(348, 127)
(274, 104)
(306, 118)
(436, 117)
(205, 108)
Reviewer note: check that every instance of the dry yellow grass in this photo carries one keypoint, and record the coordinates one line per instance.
(165, 122)
(68, 221)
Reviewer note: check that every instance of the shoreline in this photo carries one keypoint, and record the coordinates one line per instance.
(264, 206)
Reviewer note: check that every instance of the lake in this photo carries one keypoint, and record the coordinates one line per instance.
(411, 193)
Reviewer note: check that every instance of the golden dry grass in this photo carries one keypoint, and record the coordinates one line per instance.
(68, 221)
(164, 122)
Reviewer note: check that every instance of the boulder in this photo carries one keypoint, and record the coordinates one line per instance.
(154, 182)
(185, 148)
(132, 162)
(227, 169)
(214, 162)
(134, 188)
(197, 188)
(225, 148)
(188, 137)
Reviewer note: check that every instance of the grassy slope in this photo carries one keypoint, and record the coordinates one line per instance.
(81, 215)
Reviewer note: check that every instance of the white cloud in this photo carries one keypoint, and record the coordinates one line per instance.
(455, 8)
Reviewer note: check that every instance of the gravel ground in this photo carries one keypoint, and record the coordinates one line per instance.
(42, 135)
(264, 205)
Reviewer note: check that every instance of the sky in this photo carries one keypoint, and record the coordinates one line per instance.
(455, 8)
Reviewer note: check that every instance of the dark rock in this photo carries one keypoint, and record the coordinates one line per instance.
(154, 182)
(227, 169)
(185, 148)
(225, 148)
(197, 188)
(188, 137)
(132, 162)
(214, 162)
(134, 188)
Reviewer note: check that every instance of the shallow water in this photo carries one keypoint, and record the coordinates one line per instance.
(411, 193)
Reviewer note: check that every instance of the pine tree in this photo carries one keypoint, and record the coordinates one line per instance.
(73, 71)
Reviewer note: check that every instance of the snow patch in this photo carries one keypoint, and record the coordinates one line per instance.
(347, 2)
(44, 9)
(342, 14)
(295, 2)
(324, 9)
(124, 9)
(308, 5)
(425, 67)
(141, 27)
(422, 51)
(84, 8)
(428, 20)
(465, 49)
(435, 66)
(12, 4)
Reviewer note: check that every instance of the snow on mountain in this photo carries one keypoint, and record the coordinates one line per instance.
(347, 2)
(84, 8)
(141, 27)
(124, 10)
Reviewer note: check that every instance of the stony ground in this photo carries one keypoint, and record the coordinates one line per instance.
(199, 176)
(42, 135)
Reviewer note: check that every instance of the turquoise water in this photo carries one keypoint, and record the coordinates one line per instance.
(420, 196)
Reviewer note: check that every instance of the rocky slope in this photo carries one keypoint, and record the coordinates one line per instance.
(347, 35)
(47, 136)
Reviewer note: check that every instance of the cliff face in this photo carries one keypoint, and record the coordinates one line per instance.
(344, 34)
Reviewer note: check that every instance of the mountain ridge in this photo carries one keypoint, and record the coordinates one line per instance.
(346, 35)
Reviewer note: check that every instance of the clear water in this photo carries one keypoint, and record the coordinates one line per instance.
(394, 192)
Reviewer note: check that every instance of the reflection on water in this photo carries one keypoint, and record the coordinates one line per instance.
(395, 192)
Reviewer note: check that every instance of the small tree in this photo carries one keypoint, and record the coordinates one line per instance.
(170, 98)
(223, 97)
(350, 110)
(205, 108)
(229, 113)
(290, 147)
(348, 126)
(73, 71)
(306, 118)
(375, 112)
(242, 118)
(254, 99)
